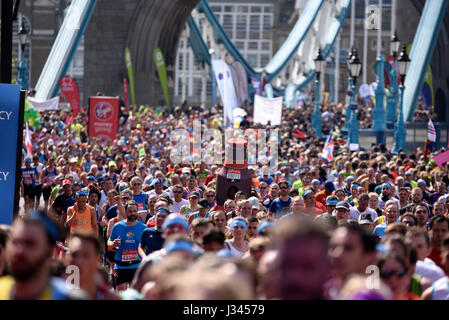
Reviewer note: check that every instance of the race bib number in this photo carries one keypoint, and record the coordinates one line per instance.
(233, 174)
(129, 255)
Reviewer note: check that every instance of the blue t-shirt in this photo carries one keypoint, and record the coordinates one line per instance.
(131, 237)
(29, 175)
(111, 212)
(142, 201)
(152, 240)
(279, 207)
(380, 230)
(268, 181)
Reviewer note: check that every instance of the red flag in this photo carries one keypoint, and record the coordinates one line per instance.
(299, 134)
(70, 89)
(125, 93)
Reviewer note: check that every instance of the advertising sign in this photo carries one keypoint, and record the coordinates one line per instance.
(103, 117)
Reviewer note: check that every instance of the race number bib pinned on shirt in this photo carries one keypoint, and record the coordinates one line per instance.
(129, 255)
(233, 174)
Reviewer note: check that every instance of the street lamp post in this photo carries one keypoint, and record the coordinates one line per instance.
(331, 76)
(378, 115)
(400, 129)
(351, 98)
(23, 66)
(392, 99)
(354, 70)
(316, 117)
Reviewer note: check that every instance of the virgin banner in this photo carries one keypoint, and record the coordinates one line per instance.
(103, 117)
(70, 89)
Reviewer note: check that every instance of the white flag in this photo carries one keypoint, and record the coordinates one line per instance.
(431, 133)
(226, 87)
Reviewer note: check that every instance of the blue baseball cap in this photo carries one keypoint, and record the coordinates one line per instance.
(329, 185)
(175, 219)
(180, 245)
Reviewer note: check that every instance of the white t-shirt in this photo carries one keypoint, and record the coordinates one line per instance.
(354, 213)
(176, 206)
(429, 269)
(381, 203)
(39, 169)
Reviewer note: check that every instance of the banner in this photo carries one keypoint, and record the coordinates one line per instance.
(129, 66)
(103, 117)
(257, 85)
(11, 118)
(28, 142)
(242, 82)
(162, 72)
(52, 104)
(70, 89)
(125, 93)
(267, 109)
(268, 90)
(441, 159)
(226, 88)
(289, 94)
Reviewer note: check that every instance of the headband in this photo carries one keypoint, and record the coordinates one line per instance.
(316, 182)
(306, 193)
(180, 245)
(239, 222)
(264, 225)
(162, 210)
(48, 224)
(82, 193)
(386, 185)
(331, 202)
(423, 183)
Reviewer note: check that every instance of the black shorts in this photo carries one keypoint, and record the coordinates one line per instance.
(46, 192)
(38, 191)
(124, 275)
(28, 191)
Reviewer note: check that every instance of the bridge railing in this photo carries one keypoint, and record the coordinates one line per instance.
(416, 135)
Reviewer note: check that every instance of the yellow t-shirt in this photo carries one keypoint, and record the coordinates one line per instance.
(6, 284)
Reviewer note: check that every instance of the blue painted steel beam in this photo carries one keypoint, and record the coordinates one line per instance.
(422, 50)
(64, 48)
(197, 43)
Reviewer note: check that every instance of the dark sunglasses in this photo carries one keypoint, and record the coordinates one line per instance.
(177, 191)
(386, 274)
(284, 187)
(126, 198)
(409, 223)
(210, 195)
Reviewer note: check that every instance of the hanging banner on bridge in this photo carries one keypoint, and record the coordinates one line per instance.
(12, 102)
(226, 87)
(71, 93)
(129, 66)
(126, 93)
(52, 104)
(162, 72)
(103, 117)
(267, 110)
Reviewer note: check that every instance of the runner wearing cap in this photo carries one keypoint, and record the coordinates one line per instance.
(328, 190)
(342, 211)
(203, 211)
(312, 207)
(192, 206)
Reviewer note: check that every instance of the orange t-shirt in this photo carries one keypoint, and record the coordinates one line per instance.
(83, 220)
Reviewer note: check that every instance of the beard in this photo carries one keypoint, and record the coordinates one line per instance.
(22, 268)
(132, 217)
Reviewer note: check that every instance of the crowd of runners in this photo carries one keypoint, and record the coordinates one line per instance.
(120, 220)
